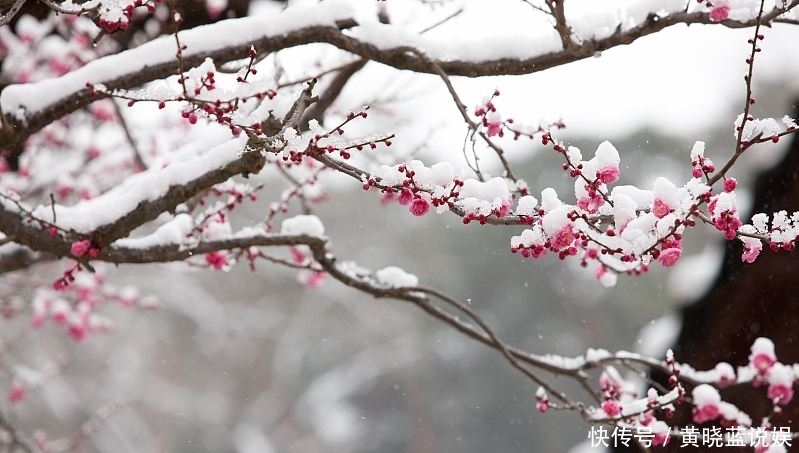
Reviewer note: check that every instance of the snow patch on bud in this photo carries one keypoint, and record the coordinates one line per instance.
(527, 205)
(766, 127)
(573, 154)
(549, 199)
(607, 155)
(556, 219)
(780, 379)
(762, 357)
(752, 246)
(698, 150)
(484, 197)
(707, 401)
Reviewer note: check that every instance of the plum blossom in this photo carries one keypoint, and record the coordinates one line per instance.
(493, 123)
(612, 408)
(405, 197)
(78, 328)
(707, 401)
(419, 207)
(563, 238)
(660, 208)
(542, 400)
(59, 311)
(312, 280)
(752, 246)
(762, 357)
(670, 256)
(724, 213)
(591, 204)
(699, 163)
(217, 260)
(720, 11)
(80, 248)
(17, 392)
(608, 174)
(780, 379)
(781, 393)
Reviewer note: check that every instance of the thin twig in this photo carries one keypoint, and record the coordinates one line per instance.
(138, 159)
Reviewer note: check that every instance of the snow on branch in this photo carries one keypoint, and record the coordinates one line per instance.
(29, 107)
(116, 213)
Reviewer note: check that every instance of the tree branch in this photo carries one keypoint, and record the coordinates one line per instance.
(157, 62)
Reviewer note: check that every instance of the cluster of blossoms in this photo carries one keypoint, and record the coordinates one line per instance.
(76, 305)
(610, 228)
(622, 405)
(117, 15)
(490, 119)
(438, 186)
(763, 369)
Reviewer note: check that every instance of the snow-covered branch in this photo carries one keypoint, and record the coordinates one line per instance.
(27, 109)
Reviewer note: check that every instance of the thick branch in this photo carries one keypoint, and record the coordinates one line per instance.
(27, 232)
(160, 63)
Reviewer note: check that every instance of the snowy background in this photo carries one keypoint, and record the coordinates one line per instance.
(253, 362)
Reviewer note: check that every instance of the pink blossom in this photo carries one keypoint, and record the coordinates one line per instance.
(217, 260)
(78, 330)
(542, 405)
(494, 128)
(591, 204)
(59, 313)
(670, 256)
(781, 393)
(60, 284)
(608, 175)
(405, 197)
(298, 256)
(40, 307)
(503, 210)
(607, 383)
(60, 67)
(751, 253)
(80, 248)
(762, 361)
(660, 208)
(102, 111)
(316, 279)
(419, 207)
(730, 184)
(612, 408)
(387, 198)
(214, 10)
(38, 319)
(706, 412)
(563, 238)
(720, 12)
(16, 393)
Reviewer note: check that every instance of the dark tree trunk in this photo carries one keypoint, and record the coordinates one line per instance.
(747, 301)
